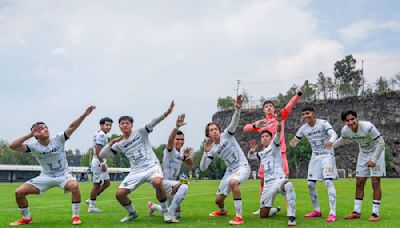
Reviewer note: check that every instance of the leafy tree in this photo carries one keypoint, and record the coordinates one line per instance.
(322, 83)
(348, 77)
(299, 156)
(159, 151)
(382, 85)
(86, 158)
(284, 99)
(330, 86)
(225, 103)
(309, 91)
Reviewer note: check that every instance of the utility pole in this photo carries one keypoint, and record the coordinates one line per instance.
(237, 87)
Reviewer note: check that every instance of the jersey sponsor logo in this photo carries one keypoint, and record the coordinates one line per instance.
(132, 141)
(314, 132)
(52, 150)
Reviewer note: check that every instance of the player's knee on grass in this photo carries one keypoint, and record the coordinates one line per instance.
(264, 212)
(156, 182)
(233, 184)
(73, 186)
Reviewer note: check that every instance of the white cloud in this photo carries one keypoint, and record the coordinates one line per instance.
(363, 29)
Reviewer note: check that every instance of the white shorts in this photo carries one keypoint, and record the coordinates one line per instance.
(270, 190)
(362, 169)
(44, 182)
(98, 175)
(241, 174)
(137, 177)
(322, 167)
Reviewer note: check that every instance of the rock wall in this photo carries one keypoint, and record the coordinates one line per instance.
(381, 110)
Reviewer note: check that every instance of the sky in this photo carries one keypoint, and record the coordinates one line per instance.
(135, 57)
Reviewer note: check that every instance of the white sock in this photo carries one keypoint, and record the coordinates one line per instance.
(313, 195)
(164, 205)
(76, 207)
(332, 196)
(92, 203)
(358, 205)
(129, 207)
(25, 213)
(376, 205)
(178, 198)
(157, 207)
(272, 211)
(291, 199)
(238, 207)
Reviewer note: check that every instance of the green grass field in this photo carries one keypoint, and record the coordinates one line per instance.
(53, 209)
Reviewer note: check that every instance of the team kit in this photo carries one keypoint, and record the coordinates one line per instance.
(218, 143)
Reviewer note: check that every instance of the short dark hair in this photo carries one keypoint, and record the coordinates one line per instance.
(105, 119)
(128, 118)
(268, 102)
(179, 132)
(308, 109)
(37, 123)
(266, 131)
(211, 123)
(348, 112)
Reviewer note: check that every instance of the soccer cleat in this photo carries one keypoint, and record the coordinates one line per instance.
(87, 202)
(174, 220)
(129, 217)
(257, 212)
(94, 210)
(373, 218)
(313, 214)
(236, 221)
(218, 213)
(150, 208)
(292, 221)
(331, 218)
(22, 222)
(353, 215)
(76, 220)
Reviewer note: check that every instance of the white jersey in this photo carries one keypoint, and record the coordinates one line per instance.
(366, 136)
(172, 162)
(99, 139)
(228, 150)
(318, 135)
(271, 160)
(52, 158)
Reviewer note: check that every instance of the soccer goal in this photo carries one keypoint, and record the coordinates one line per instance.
(341, 173)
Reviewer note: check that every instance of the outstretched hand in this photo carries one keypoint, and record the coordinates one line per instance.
(37, 129)
(239, 101)
(187, 151)
(89, 110)
(170, 108)
(253, 145)
(181, 120)
(113, 141)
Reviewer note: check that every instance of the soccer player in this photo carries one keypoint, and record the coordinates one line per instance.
(275, 180)
(370, 162)
(145, 166)
(50, 154)
(101, 177)
(270, 123)
(174, 156)
(322, 165)
(237, 171)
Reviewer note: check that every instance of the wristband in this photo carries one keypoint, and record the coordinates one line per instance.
(254, 126)
(299, 93)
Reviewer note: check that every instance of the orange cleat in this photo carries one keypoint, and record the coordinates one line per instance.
(313, 214)
(76, 220)
(353, 215)
(236, 221)
(22, 222)
(218, 213)
(373, 218)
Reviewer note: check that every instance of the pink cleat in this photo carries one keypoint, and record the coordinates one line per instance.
(21, 222)
(331, 218)
(313, 214)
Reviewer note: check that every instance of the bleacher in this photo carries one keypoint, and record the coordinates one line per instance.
(22, 173)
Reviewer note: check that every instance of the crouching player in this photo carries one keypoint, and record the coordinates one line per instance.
(174, 156)
(275, 180)
(50, 154)
(237, 171)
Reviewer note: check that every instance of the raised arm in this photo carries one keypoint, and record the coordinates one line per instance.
(171, 139)
(19, 145)
(206, 159)
(289, 106)
(75, 124)
(251, 155)
(155, 121)
(107, 150)
(236, 116)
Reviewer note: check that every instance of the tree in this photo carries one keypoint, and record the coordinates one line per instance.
(349, 78)
(308, 91)
(298, 156)
(225, 103)
(159, 151)
(330, 86)
(382, 85)
(322, 84)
